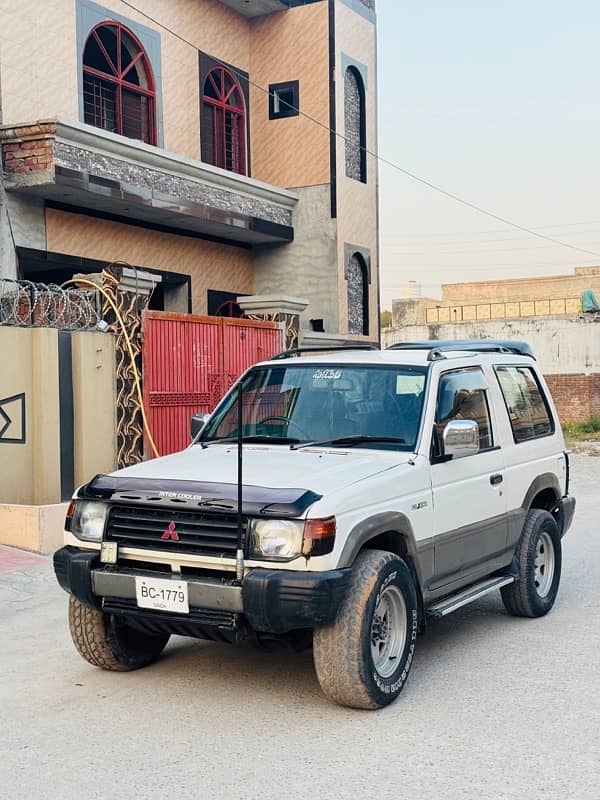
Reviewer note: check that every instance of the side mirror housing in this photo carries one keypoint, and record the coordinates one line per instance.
(461, 438)
(198, 421)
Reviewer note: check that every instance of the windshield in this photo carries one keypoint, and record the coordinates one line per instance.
(315, 403)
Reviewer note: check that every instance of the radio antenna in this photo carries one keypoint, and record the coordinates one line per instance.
(239, 557)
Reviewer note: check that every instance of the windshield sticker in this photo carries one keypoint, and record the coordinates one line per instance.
(327, 374)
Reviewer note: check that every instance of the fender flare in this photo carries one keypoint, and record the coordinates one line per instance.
(367, 529)
(546, 480)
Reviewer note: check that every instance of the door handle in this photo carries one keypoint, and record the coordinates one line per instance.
(496, 479)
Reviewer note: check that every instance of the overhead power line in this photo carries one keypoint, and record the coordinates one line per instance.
(454, 235)
(413, 176)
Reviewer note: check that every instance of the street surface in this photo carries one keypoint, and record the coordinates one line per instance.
(495, 707)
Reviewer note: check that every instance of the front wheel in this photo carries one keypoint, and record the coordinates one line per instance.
(364, 658)
(106, 641)
(538, 559)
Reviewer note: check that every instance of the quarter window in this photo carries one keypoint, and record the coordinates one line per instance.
(526, 405)
(462, 395)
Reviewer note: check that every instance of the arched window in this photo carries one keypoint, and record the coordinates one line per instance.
(224, 121)
(355, 125)
(358, 295)
(119, 93)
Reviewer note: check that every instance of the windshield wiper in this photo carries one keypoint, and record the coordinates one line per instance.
(349, 441)
(256, 439)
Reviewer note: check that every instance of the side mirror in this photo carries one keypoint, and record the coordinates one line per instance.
(198, 421)
(461, 438)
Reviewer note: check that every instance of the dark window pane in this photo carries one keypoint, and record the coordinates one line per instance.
(527, 408)
(108, 36)
(99, 103)
(462, 395)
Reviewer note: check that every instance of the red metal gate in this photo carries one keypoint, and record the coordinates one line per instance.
(190, 361)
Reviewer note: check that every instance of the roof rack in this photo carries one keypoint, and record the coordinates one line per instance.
(298, 351)
(437, 348)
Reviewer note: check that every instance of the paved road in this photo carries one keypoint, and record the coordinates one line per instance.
(495, 707)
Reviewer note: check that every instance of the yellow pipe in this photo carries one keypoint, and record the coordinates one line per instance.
(131, 354)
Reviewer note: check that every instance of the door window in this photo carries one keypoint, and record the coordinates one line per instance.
(462, 395)
(526, 405)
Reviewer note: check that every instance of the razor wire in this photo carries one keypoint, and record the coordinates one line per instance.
(27, 304)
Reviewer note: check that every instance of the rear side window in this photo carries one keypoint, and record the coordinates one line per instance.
(527, 407)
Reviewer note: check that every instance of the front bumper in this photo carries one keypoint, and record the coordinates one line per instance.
(269, 600)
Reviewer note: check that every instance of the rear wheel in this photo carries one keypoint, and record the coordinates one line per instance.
(106, 641)
(364, 658)
(539, 559)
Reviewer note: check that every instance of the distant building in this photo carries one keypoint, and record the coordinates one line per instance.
(543, 311)
(191, 152)
(555, 295)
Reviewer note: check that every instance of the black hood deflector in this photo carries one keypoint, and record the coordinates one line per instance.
(216, 497)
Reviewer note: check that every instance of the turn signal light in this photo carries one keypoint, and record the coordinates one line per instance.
(69, 517)
(319, 536)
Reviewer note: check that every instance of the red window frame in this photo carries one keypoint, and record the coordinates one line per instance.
(118, 76)
(228, 106)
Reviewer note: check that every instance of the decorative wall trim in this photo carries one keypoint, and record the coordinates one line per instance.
(365, 252)
(366, 8)
(362, 69)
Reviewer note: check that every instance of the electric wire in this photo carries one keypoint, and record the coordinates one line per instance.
(136, 377)
(413, 176)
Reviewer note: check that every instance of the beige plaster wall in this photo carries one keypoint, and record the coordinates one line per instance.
(210, 265)
(30, 472)
(290, 46)
(307, 266)
(356, 201)
(94, 392)
(16, 376)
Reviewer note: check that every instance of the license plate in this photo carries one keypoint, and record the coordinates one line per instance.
(162, 595)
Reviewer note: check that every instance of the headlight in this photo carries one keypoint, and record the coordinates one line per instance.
(283, 539)
(276, 538)
(88, 519)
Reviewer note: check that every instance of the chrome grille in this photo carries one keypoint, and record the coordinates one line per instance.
(196, 531)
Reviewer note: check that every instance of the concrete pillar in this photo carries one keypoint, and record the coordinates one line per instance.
(276, 308)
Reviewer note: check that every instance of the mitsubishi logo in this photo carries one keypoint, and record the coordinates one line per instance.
(171, 534)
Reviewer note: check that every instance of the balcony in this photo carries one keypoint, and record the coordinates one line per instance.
(257, 8)
(73, 164)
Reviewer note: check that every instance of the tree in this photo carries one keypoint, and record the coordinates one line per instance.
(386, 319)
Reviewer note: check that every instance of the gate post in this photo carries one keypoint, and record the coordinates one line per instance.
(276, 308)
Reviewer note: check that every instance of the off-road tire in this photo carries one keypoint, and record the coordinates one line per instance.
(521, 598)
(342, 651)
(108, 642)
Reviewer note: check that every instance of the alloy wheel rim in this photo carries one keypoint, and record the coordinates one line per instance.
(388, 631)
(544, 564)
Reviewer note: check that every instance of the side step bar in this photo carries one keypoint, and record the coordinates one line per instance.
(468, 595)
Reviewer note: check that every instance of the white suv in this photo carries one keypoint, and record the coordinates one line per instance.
(379, 488)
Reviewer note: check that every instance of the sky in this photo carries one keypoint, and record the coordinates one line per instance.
(497, 101)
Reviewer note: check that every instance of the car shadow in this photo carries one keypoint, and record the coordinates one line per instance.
(233, 672)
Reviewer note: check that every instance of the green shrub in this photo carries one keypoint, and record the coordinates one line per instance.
(581, 430)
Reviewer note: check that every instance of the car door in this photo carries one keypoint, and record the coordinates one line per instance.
(470, 526)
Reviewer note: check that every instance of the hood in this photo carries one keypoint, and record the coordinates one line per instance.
(322, 471)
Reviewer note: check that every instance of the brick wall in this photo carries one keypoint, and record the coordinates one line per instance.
(28, 148)
(577, 397)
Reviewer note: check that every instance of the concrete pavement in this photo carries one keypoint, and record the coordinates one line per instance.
(495, 707)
